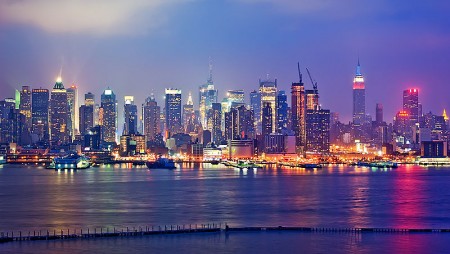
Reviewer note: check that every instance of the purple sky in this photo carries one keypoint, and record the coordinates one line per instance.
(140, 46)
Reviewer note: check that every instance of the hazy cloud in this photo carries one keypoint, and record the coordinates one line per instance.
(100, 17)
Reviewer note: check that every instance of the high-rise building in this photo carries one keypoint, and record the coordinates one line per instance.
(86, 114)
(312, 100)
(318, 130)
(72, 120)
(255, 106)
(267, 124)
(130, 116)
(39, 114)
(207, 96)
(268, 90)
(173, 112)
(108, 109)
(411, 104)
(151, 115)
(298, 100)
(282, 112)
(215, 117)
(379, 114)
(25, 104)
(189, 115)
(359, 98)
(59, 115)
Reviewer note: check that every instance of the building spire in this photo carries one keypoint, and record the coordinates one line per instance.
(210, 79)
(445, 115)
(358, 69)
(189, 101)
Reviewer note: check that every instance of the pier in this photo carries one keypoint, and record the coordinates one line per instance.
(186, 229)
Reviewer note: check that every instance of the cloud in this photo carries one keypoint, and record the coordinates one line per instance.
(98, 17)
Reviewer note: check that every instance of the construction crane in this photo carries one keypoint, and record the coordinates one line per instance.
(313, 82)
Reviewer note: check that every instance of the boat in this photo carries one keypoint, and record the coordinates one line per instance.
(2, 158)
(378, 164)
(214, 162)
(311, 165)
(70, 161)
(164, 163)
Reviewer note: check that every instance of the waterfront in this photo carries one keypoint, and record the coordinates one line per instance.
(117, 196)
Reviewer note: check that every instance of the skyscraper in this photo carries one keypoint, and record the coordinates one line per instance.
(152, 125)
(411, 104)
(59, 115)
(318, 130)
(25, 104)
(298, 100)
(268, 90)
(359, 98)
(189, 115)
(267, 124)
(109, 115)
(39, 114)
(86, 114)
(379, 114)
(215, 116)
(130, 115)
(255, 106)
(282, 112)
(72, 99)
(207, 96)
(173, 111)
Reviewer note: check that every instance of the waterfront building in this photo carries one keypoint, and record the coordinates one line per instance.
(267, 124)
(207, 96)
(73, 119)
(189, 115)
(93, 138)
(86, 114)
(173, 112)
(130, 116)
(282, 112)
(131, 145)
(25, 104)
(151, 115)
(379, 114)
(255, 106)
(318, 131)
(241, 149)
(298, 100)
(215, 120)
(108, 109)
(268, 90)
(402, 127)
(59, 115)
(411, 104)
(12, 122)
(359, 98)
(39, 114)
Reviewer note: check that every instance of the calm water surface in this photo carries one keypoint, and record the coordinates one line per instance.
(411, 197)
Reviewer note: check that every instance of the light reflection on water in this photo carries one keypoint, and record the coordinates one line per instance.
(122, 195)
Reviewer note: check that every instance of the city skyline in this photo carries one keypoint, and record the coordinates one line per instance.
(399, 48)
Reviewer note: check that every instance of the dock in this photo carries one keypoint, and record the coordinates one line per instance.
(189, 229)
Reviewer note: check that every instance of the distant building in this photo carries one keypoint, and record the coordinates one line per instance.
(108, 109)
(93, 138)
(282, 112)
(131, 145)
(39, 114)
(207, 96)
(25, 105)
(255, 106)
(151, 116)
(241, 149)
(268, 90)
(379, 114)
(318, 131)
(59, 115)
(359, 98)
(173, 111)
(434, 149)
(411, 104)
(131, 117)
(298, 100)
(72, 101)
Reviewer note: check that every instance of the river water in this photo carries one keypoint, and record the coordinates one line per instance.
(34, 198)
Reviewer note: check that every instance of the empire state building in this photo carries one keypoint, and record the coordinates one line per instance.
(359, 98)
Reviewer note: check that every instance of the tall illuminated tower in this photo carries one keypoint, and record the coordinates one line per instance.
(151, 115)
(130, 114)
(73, 121)
(298, 99)
(59, 115)
(411, 104)
(39, 114)
(207, 96)
(173, 111)
(268, 90)
(359, 98)
(108, 109)
(188, 115)
(25, 104)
